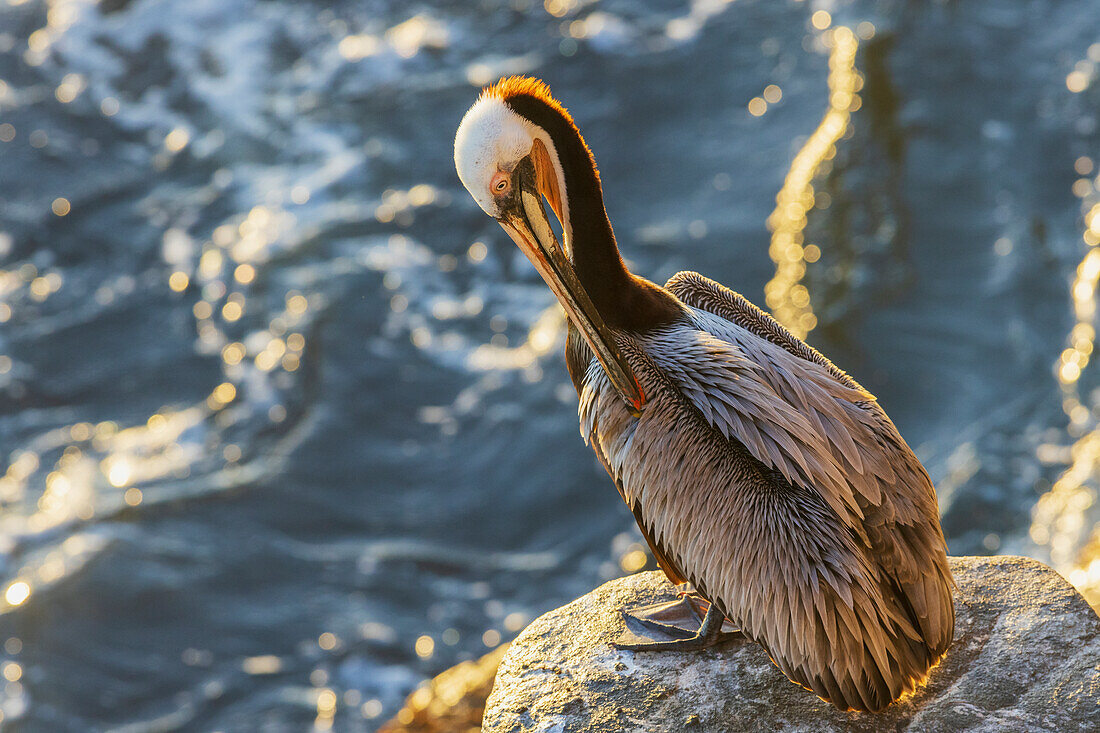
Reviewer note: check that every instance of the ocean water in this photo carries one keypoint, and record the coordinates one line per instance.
(284, 420)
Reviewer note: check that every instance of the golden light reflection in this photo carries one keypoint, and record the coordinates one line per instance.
(425, 646)
(266, 664)
(786, 296)
(686, 27)
(559, 8)
(421, 195)
(371, 709)
(70, 88)
(152, 450)
(176, 140)
(223, 394)
(17, 593)
(119, 471)
(326, 710)
(821, 20)
(541, 339)
(59, 18)
(265, 361)
(12, 671)
(1060, 516)
(1077, 81)
(210, 264)
(358, 47)
(232, 311)
(40, 289)
(419, 31)
(477, 252)
(633, 561)
(233, 353)
(296, 304)
(179, 281)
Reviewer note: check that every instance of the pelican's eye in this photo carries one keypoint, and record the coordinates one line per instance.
(500, 183)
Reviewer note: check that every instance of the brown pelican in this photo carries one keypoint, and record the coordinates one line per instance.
(759, 473)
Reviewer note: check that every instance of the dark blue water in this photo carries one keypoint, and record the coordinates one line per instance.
(277, 400)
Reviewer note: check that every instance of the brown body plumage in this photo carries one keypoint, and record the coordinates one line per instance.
(756, 470)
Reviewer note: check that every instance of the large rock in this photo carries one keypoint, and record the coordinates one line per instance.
(1026, 657)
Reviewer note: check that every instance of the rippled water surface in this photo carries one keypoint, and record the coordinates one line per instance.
(283, 415)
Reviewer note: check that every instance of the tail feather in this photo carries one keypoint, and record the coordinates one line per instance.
(874, 656)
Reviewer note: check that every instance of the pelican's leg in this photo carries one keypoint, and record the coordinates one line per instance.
(674, 626)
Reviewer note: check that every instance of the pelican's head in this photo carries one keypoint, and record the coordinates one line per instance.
(508, 155)
(495, 144)
(491, 142)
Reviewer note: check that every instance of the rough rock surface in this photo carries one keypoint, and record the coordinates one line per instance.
(1026, 657)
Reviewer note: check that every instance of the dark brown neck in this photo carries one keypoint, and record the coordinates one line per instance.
(624, 300)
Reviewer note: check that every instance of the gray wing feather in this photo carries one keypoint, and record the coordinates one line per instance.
(862, 464)
(786, 494)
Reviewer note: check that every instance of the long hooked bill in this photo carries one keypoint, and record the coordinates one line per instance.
(528, 225)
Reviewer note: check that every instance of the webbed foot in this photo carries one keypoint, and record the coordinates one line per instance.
(675, 626)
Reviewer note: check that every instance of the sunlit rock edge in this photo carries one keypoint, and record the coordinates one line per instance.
(1025, 657)
(451, 702)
